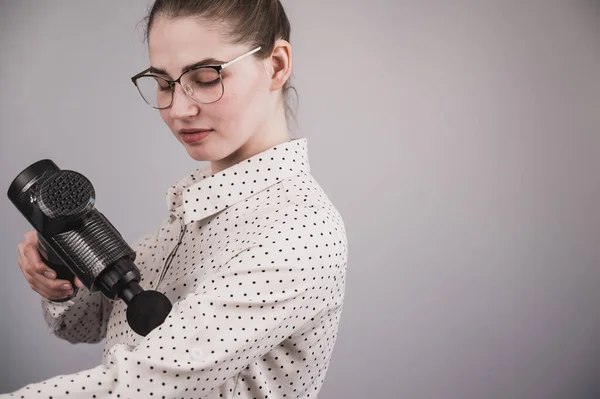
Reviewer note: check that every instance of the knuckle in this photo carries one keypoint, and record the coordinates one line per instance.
(27, 247)
(39, 267)
(25, 251)
(28, 268)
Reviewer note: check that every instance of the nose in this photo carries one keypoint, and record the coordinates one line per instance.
(182, 105)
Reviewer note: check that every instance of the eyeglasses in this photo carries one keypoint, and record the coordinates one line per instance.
(203, 84)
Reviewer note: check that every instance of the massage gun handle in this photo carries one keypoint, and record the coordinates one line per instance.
(55, 263)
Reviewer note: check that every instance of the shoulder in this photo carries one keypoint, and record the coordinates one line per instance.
(306, 232)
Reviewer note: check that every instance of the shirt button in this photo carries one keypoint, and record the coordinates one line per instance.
(197, 353)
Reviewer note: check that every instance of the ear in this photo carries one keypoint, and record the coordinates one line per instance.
(280, 64)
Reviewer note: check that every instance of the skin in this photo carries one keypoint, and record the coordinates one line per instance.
(248, 119)
(40, 277)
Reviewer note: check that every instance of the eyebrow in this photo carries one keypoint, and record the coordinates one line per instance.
(204, 62)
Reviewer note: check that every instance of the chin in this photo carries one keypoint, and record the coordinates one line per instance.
(198, 154)
(212, 150)
(203, 152)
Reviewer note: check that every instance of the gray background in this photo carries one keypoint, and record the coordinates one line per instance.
(459, 140)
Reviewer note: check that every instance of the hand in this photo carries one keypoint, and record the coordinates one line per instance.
(40, 277)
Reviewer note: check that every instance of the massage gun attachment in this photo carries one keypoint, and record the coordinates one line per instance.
(76, 240)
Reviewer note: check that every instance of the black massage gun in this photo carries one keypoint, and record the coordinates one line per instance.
(75, 239)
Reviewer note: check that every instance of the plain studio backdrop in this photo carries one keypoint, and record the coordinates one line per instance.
(459, 140)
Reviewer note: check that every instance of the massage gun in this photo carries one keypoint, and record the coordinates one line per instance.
(76, 240)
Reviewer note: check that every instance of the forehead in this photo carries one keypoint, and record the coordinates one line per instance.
(175, 42)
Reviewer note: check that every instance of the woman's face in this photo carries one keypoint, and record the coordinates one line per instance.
(237, 118)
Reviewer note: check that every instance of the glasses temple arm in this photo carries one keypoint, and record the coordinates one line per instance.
(225, 65)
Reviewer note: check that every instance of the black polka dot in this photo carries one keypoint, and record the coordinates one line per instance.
(253, 259)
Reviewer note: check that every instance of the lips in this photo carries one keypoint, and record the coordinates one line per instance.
(190, 136)
(190, 131)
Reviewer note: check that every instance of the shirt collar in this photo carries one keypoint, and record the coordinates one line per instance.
(202, 194)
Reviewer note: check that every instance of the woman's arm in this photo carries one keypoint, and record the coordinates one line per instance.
(262, 295)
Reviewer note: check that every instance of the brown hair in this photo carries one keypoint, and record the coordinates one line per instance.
(252, 22)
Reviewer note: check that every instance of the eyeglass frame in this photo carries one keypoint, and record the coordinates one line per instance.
(218, 68)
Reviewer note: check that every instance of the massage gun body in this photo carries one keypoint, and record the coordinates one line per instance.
(76, 240)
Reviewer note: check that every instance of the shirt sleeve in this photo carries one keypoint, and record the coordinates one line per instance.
(273, 287)
(82, 319)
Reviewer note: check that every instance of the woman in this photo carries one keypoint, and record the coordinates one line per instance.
(252, 253)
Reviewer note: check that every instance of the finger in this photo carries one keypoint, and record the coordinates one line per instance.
(36, 263)
(30, 277)
(31, 253)
(50, 293)
(51, 284)
(46, 287)
(31, 237)
(78, 283)
(35, 260)
(35, 286)
(21, 263)
(42, 282)
(20, 248)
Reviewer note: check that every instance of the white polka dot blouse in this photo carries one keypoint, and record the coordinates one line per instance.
(253, 259)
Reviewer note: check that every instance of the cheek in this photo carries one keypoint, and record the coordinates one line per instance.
(233, 109)
(247, 99)
(223, 109)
